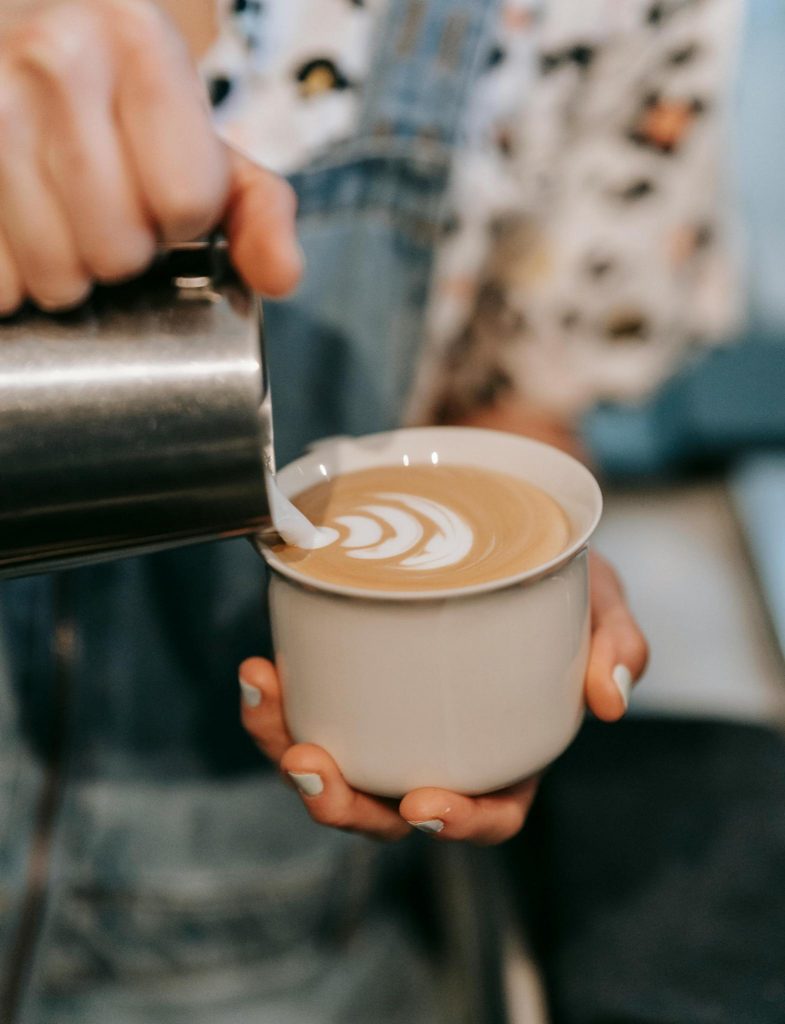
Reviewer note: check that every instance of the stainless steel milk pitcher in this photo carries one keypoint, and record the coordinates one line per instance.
(137, 422)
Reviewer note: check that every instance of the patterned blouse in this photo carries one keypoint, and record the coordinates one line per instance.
(586, 247)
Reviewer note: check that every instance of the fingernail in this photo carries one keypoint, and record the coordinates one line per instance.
(622, 677)
(430, 827)
(252, 695)
(309, 783)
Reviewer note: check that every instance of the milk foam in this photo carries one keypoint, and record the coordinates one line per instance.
(425, 526)
(450, 542)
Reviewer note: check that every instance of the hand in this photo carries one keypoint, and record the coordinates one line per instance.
(619, 651)
(106, 149)
(618, 656)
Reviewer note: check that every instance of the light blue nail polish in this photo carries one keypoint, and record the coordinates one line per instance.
(309, 783)
(252, 695)
(622, 677)
(431, 826)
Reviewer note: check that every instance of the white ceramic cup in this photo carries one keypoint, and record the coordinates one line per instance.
(470, 689)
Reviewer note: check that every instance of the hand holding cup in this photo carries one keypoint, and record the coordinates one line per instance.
(618, 653)
(445, 696)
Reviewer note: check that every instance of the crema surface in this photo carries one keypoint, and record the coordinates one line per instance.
(426, 527)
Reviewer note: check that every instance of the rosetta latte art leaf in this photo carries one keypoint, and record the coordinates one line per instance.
(428, 527)
(450, 540)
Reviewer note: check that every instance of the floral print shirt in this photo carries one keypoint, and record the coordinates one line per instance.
(587, 240)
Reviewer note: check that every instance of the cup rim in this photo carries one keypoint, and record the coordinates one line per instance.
(577, 545)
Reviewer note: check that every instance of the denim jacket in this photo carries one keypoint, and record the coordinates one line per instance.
(152, 867)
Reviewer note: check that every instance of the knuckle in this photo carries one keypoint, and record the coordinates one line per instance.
(140, 25)
(56, 44)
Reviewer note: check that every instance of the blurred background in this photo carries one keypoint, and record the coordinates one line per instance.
(697, 499)
(694, 481)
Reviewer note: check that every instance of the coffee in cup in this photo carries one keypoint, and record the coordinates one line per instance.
(427, 527)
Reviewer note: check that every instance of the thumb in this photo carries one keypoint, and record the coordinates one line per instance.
(261, 229)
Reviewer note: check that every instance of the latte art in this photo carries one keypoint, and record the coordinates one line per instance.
(427, 527)
(411, 519)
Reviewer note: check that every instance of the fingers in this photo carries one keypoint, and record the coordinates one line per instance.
(260, 226)
(85, 163)
(261, 710)
(80, 151)
(11, 286)
(106, 146)
(44, 255)
(484, 820)
(312, 772)
(180, 163)
(331, 801)
(619, 651)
